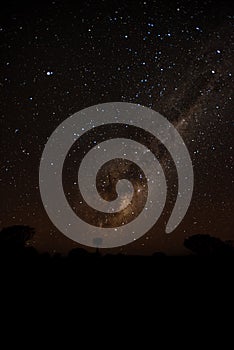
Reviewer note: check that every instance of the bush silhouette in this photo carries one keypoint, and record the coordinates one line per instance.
(15, 237)
(205, 245)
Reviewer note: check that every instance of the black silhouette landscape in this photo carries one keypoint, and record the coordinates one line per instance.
(14, 246)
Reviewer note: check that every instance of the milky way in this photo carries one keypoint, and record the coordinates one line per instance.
(60, 57)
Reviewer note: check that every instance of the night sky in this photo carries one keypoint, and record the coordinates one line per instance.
(175, 57)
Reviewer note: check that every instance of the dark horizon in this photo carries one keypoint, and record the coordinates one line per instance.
(16, 246)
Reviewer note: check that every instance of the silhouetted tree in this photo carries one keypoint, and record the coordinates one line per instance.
(205, 245)
(77, 253)
(15, 237)
(158, 255)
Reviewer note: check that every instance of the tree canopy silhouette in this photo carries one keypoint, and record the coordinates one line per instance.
(15, 237)
(205, 245)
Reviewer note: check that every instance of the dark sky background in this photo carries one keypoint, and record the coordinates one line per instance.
(175, 57)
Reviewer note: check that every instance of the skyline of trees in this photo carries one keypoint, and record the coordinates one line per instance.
(14, 244)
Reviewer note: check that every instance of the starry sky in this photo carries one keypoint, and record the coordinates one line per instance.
(59, 57)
